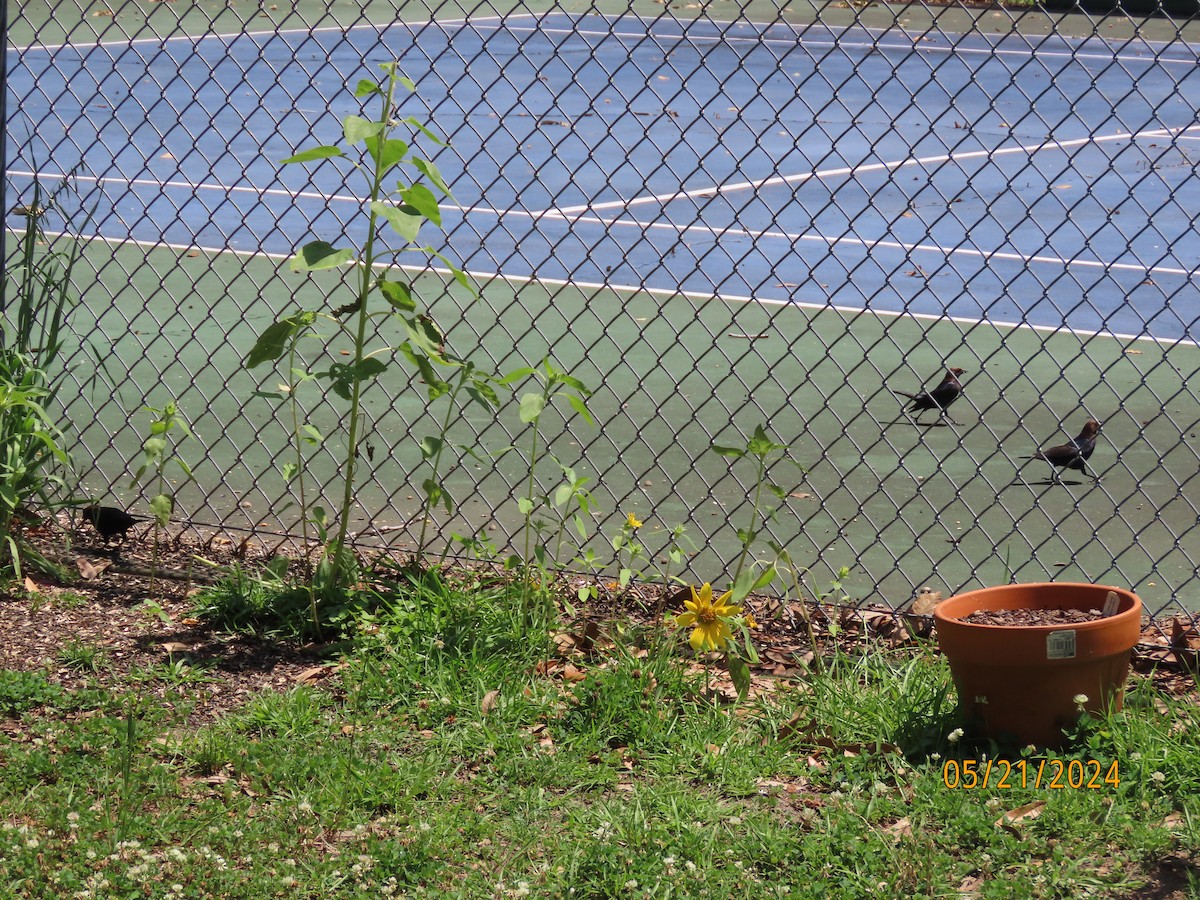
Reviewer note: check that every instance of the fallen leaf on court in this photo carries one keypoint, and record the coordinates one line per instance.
(489, 701)
(1014, 817)
(347, 729)
(174, 647)
(31, 585)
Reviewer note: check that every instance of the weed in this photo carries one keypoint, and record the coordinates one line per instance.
(23, 691)
(405, 210)
(82, 656)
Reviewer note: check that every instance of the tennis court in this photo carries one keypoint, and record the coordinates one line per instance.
(714, 224)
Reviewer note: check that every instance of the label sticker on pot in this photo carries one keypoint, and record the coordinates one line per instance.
(1060, 645)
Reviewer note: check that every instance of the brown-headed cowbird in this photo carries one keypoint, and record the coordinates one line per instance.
(109, 521)
(939, 398)
(1074, 453)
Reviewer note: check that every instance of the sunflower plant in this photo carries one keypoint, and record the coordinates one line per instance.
(713, 622)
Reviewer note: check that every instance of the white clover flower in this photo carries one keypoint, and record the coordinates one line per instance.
(1158, 777)
(953, 737)
(1080, 699)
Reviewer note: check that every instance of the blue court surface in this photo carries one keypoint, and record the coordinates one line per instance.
(1020, 181)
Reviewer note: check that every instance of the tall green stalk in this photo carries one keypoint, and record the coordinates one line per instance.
(404, 208)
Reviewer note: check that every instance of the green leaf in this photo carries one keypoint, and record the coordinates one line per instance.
(483, 394)
(154, 448)
(417, 124)
(422, 202)
(760, 445)
(405, 224)
(764, 579)
(342, 377)
(739, 674)
(392, 153)
(578, 405)
(311, 435)
(728, 451)
(366, 87)
(433, 491)
(290, 471)
(517, 375)
(318, 255)
(525, 505)
(431, 446)
(356, 128)
(274, 342)
(162, 506)
(313, 153)
(532, 405)
(398, 295)
(742, 586)
(430, 171)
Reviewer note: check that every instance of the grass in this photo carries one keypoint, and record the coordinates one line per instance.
(448, 759)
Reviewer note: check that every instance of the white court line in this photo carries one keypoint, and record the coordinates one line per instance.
(708, 231)
(921, 42)
(893, 165)
(484, 277)
(227, 36)
(869, 244)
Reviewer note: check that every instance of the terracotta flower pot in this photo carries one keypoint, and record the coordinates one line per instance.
(1020, 682)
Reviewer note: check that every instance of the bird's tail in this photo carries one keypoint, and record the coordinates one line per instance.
(904, 394)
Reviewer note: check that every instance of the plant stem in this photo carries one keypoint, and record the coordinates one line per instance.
(297, 440)
(436, 463)
(366, 266)
(748, 541)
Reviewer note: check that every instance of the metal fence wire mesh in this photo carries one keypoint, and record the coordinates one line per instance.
(717, 216)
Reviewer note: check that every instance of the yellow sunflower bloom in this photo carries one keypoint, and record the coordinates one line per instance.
(633, 522)
(710, 618)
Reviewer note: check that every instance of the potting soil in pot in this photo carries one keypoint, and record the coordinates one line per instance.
(1025, 617)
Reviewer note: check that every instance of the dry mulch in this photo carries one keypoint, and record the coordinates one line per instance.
(140, 622)
(1028, 617)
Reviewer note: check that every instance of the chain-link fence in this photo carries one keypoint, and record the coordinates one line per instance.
(717, 216)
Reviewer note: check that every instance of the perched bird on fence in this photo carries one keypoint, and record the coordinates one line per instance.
(109, 521)
(1074, 453)
(939, 398)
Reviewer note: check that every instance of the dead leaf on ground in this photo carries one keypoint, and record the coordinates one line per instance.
(572, 673)
(925, 601)
(970, 885)
(1014, 817)
(90, 571)
(489, 701)
(898, 829)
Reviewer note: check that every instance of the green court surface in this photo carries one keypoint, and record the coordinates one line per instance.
(904, 505)
(49, 23)
(914, 505)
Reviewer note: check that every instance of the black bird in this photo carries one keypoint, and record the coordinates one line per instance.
(939, 398)
(109, 521)
(1074, 453)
